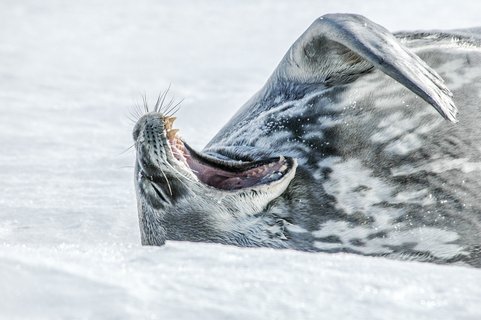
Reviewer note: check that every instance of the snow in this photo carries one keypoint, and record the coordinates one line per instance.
(69, 241)
(201, 281)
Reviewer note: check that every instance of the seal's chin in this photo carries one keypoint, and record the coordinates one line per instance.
(225, 174)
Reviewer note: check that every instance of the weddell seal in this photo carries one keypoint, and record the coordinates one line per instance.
(340, 151)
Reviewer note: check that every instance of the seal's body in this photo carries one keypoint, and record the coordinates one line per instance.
(338, 152)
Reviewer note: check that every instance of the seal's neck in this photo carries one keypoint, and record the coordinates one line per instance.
(152, 232)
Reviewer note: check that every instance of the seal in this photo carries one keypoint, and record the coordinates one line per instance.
(338, 152)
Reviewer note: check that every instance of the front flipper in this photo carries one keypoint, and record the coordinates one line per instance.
(338, 48)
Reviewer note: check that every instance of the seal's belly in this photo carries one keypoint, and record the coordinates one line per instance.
(400, 178)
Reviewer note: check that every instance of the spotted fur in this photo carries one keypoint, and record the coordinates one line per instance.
(379, 171)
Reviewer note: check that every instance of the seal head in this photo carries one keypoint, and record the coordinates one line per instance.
(211, 199)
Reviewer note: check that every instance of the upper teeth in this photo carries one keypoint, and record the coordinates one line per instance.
(168, 122)
(171, 133)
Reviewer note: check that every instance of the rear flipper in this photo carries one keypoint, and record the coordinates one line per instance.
(338, 48)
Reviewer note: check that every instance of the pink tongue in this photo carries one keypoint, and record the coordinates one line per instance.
(238, 183)
(226, 180)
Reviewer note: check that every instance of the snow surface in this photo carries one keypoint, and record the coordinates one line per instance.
(69, 240)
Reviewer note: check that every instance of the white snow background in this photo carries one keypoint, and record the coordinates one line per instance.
(70, 71)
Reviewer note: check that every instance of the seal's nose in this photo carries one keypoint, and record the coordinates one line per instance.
(151, 142)
(153, 128)
(147, 124)
(152, 123)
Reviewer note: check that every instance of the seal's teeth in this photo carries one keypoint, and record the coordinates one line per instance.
(282, 159)
(168, 122)
(283, 168)
(171, 133)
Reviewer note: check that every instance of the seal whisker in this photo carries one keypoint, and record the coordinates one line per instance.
(179, 173)
(168, 105)
(175, 108)
(160, 193)
(123, 152)
(167, 180)
(131, 118)
(157, 103)
(160, 100)
(171, 107)
(134, 113)
(164, 96)
(144, 100)
(138, 111)
(182, 182)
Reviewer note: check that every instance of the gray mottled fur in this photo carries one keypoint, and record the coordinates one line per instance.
(379, 171)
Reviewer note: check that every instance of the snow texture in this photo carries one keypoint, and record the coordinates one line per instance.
(69, 239)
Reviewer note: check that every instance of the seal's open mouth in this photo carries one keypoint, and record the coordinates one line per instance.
(221, 174)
